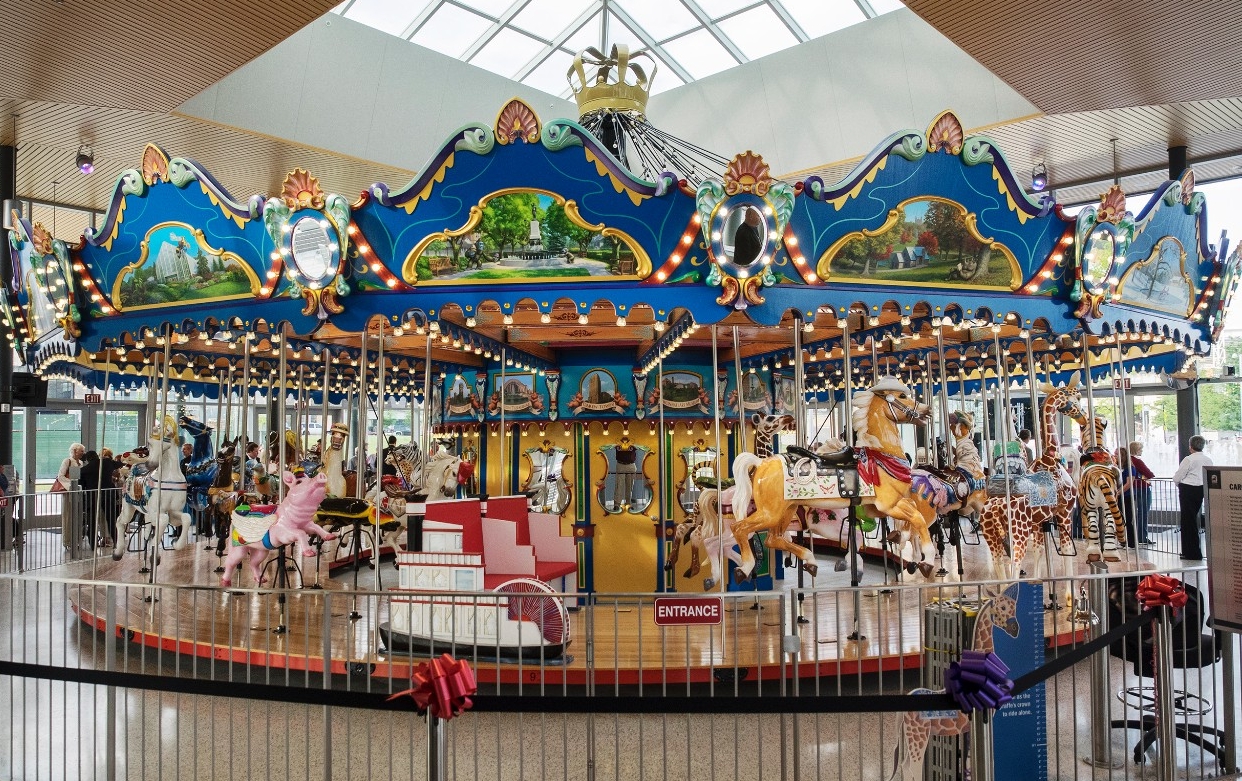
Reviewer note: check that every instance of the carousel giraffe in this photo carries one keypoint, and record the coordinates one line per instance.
(1099, 486)
(1015, 515)
(999, 610)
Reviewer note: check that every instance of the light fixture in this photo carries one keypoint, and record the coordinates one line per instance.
(1039, 178)
(85, 160)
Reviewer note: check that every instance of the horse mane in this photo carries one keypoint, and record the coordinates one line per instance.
(858, 419)
(708, 517)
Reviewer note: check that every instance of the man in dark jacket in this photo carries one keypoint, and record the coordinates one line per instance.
(748, 240)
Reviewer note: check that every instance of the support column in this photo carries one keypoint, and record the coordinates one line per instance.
(1177, 162)
(8, 190)
(1187, 418)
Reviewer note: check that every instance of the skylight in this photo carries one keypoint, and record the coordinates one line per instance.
(534, 41)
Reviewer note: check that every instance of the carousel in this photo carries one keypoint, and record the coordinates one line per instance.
(617, 384)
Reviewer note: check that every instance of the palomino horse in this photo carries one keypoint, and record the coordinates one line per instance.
(164, 490)
(882, 468)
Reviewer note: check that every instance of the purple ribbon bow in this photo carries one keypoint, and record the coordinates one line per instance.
(979, 681)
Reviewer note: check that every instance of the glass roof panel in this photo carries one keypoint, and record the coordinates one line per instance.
(820, 17)
(700, 54)
(682, 41)
(391, 16)
(757, 32)
(451, 30)
(547, 18)
(718, 8)
(507, 52)
(550, 75)
(662, 19)
(492, 8)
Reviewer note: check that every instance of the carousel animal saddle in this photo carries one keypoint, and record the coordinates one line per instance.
(810, 475)
(252, 525)
(933, 486)
(1039, 488)
(338, 511)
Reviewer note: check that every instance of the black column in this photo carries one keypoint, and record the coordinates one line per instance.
(1187, 418)
(8, 190)
(1177, 162)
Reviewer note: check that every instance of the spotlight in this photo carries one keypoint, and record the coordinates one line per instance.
(1039, 178)
(85, 160)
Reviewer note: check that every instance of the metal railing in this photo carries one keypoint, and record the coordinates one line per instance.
(117, 680)
(48, 529)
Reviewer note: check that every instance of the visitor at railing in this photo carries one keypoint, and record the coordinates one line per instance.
(1189, 479)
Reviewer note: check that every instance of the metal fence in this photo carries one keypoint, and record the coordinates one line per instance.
(116, 680)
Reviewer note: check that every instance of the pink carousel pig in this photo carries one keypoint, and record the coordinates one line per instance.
(292, 522)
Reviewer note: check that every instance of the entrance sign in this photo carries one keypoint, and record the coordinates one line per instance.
(683, 611)
(1224, 545)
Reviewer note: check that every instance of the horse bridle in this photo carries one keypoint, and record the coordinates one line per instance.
(902, 412)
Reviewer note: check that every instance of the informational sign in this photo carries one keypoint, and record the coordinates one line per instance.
(92, 398)
(1021, 725)
(1224, 545)
(1121, 383)
(681, 611)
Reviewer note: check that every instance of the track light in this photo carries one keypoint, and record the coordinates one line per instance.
(1039, 178)
(85, 160)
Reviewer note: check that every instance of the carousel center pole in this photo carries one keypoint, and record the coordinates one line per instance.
(852, 549)
(103, 436)
(800, 439)
(379, 448)
(718, 567)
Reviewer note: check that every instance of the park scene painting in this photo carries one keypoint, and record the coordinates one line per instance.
(928, 241)
(525, 237)
(177, 265)
(1160, 281)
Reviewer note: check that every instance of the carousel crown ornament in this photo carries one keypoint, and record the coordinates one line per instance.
(612, 91)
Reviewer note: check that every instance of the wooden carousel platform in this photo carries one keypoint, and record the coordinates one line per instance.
(334, 629)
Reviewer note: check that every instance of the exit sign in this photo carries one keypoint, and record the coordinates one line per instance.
(681, 611)
(93, 398)
(1120, 383)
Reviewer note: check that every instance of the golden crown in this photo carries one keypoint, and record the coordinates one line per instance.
(619, 83)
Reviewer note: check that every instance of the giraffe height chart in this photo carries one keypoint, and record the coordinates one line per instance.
(1021, 726)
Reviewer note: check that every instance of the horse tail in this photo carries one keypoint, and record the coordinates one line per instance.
(743, 491)
(709, 518)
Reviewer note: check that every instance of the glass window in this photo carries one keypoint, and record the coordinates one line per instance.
(820, 17)
(118, 431)
(507, 52)
(451, 30)
(391, 16)
(19, 447)
(660, 18)
(700, 54)
(718, 8)
(550, 75)
(547, 18)
(55, 431)
(758, 32)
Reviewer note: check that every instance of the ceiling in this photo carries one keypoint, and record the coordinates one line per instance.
(534, 41)
(1096, 54)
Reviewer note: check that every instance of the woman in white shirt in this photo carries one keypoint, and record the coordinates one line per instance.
(70, 470)
(1189, 479)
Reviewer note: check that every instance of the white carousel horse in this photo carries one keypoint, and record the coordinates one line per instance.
(162, 490)
(440, 480)
(291, 523)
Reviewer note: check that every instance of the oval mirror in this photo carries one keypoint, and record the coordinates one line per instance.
(312, 249)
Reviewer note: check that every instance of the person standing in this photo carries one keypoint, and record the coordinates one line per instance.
(1142, 490)
(110, 492)
(70, 470)
(1127, 488)
(1189, 479)
(89, 483)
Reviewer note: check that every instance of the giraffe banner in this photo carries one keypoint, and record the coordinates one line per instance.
(1021, 726)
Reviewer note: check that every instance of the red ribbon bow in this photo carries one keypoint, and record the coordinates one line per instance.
(1161, 590)
(442, 687)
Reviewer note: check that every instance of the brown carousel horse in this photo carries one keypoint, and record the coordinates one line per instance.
(223, 494)
(882, 469)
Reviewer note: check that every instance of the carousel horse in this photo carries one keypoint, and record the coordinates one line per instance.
(780, 483)
(944, 495)
(706, 532)
(341, 483)
(442, 476)
(1099, 491)
(223, 495)
(1013, 519)
(292, 521)
(998, 610)
(163, 490)
(200, 470)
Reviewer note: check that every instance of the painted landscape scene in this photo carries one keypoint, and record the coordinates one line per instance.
(178, 268)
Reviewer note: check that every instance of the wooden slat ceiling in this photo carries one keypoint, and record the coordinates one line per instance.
(1077, 148)
(1095, 54)
(48, 135)
(138, 54)
(108, 74)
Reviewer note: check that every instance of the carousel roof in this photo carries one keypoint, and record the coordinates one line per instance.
(526, 244)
